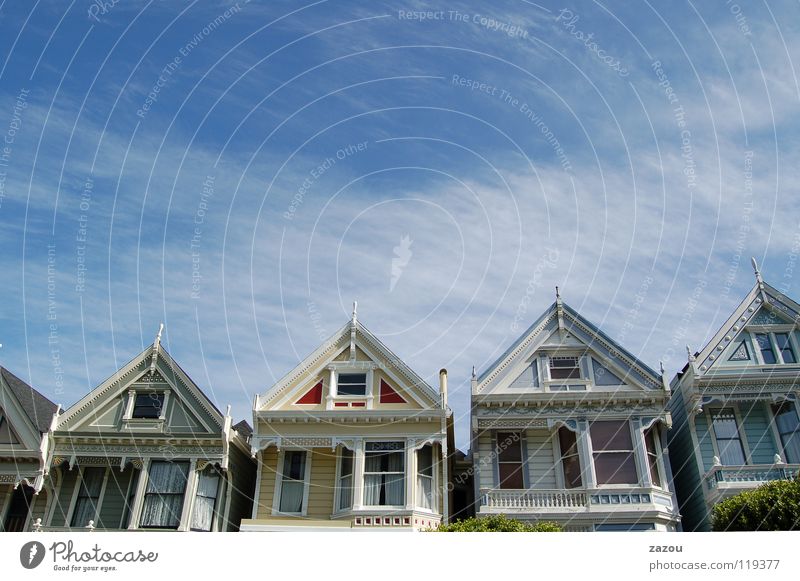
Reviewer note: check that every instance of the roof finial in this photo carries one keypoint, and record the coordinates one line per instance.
(689, 354)
(355, 311)
(156, 344)
(474, 375)
(661, 367)
(558, 294)
(759, 280)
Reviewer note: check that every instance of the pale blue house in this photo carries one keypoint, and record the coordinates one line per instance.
(734, 406)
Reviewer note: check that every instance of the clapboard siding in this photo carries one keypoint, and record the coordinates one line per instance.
(269, 467)
(683, 459)
(69, 477)
(114, 498)
(541, 462)
(322, 484)
(758, 432)
(243, 479)
(704, 440)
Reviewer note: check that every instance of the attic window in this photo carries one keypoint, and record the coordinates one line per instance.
(352, 384)
(564, 368)
(148, 405)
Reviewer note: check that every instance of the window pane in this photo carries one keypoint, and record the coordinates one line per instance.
(346, 466)
(615, 468)
(766, 348)
(568, 441)
(570, 460)
(652, 456)
(509, 447)
(782, 339)
(788, 426)
(611, 435)
(730, 452)
(148, 405)
(425, 460)
(564, 368)
(352, 384)
(511, 476)
(163, 501)
(384, 474)
(294, 465)
(292, 496)
(205, 500)
(725, 425)
(88, 495)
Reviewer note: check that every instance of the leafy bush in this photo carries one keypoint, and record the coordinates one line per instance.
(499, 523)
(774, 506)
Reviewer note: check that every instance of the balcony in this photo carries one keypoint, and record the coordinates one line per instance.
(724, 481)
(570, 502)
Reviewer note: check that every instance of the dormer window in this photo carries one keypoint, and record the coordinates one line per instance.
(352, 384)
(565, 368)
(785, 347)
(765, 345)
(148, 406)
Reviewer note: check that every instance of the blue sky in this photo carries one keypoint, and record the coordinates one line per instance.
(243, 172)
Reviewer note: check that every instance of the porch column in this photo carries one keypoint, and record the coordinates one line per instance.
(138, 498)
(411, 473)
(358, 475)
(188, 497)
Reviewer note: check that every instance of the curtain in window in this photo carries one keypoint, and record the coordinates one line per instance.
(205, 500)
(89, 494)
(729, 442)
(789, 429)
(293, 482)
(163, 500)
(381, 487)
(425, 497)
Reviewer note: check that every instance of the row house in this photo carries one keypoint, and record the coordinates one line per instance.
(26, 417)
(147, 450)
(735, 406)
(351, 439)
(568, 426)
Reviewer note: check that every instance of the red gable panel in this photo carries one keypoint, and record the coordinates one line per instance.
(312, 396)
(389, 395)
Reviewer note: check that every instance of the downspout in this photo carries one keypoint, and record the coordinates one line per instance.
(445, 448)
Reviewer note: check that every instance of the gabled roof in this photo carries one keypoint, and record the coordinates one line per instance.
(761, 295)
(573, 323)
(353, 330)
(37, 407)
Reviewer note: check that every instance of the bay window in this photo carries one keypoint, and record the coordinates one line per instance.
(509, 460)
(612, 451)
(163, 498)
(88, 496)
(205, 499)
(384, 474)
(426, 496)
(293, 482)
(346, 479)
(570, 460)
(788, 425)
(729, 442)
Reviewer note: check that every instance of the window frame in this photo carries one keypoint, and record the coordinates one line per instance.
(337, 497)
(215, 506)
(739, 430)
(562, 456)
(276, 501)
(657, 456)
(523, 464)
(145, 493)
(632, 452)
(76, 496)
(777, 352)
(780, 436)
(367, 383)
(160, 397)
(363, 475)
(433, 477)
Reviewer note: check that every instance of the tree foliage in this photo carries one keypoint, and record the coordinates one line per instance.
(499, 523)
(774, 506)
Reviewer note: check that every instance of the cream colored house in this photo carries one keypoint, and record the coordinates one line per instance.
(350, 439)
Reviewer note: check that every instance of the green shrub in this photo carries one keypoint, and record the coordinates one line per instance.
(774, 506)
(499, 523)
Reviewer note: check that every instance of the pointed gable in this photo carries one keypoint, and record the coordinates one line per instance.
(762, 330)
(563, 351)
(151, 394)
(25, 414)
(368, 376)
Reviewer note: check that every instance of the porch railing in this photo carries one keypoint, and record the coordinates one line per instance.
(534, 499)
(720, 477)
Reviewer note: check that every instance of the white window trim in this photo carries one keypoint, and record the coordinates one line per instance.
(739, 429)
(435, 468)
(141, 492)
(276, 501)
(337, 492)
(634, 441)
(338, 367)
(363, 451)
(770, 332)
(129, 420)
(547, 381)
(660, 468)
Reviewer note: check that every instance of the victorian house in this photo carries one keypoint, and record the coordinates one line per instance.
(735, 406)
(568, 426)
(26, 417)
(351, 439)
(148, 450)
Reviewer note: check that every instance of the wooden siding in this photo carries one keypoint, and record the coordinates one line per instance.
(541, 461)
(758, 432)
(323, 483)
(704, 440)
(269, 466)
(243, 476)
